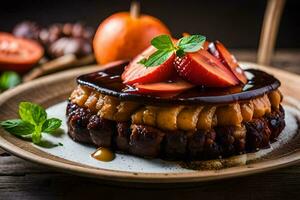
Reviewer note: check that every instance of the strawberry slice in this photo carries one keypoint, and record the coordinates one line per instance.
(206, 45)
(138, 73)
(229, 60)
(212, 49)
(164, 87)
(202, 68)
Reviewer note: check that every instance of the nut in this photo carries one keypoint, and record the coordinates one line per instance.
(27, 29)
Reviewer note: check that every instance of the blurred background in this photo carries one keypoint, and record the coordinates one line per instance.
(64, 31)
(237, 23)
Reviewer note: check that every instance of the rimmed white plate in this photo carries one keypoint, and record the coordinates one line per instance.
(53, 90)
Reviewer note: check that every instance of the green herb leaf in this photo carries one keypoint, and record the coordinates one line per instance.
(32, 113)
(18, 127)
(50, 125)
(37, 137)
(157, 58)
(163, 42)
(9, 79)
(191, 43)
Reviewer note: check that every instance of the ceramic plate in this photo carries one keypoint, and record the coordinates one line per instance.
(52, 92)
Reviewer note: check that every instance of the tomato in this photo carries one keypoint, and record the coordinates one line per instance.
(18, 54)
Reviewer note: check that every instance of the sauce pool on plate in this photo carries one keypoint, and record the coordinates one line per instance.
(103, 154)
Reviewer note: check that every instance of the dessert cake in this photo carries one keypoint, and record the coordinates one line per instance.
(195, 106)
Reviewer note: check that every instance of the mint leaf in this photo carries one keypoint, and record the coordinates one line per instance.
(163, 42)
(50, 125)
(191, 43)
(157, 58)
(32, 113)
(9, 79)
(37, 137)
(18, 127)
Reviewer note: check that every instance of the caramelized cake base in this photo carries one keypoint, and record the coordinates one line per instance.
(177, 131)
(198, 124)
(147, 141)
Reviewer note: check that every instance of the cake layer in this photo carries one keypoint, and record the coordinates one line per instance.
(149, 141)
(175, 117)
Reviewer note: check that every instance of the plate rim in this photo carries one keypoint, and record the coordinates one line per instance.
(145, 177)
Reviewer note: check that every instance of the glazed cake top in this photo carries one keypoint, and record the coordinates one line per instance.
(108, 81)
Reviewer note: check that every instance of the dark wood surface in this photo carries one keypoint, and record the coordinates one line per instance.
(20, 179)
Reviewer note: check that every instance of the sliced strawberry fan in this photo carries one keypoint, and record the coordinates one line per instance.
(211, 66)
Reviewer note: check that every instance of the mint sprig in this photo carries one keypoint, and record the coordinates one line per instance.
(32, 124)
(166, 48)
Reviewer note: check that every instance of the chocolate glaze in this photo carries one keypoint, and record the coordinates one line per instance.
(108, 81)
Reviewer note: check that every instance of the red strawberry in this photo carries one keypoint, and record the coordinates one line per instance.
(206, 45)
(138, 73)
(229, 60)
(212, 49)
(202, 68)
(164, 87)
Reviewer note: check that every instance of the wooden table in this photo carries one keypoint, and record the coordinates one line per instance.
(20, 179)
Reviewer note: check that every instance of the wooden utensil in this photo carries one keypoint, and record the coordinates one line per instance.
(269, 31)
(58, 64)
